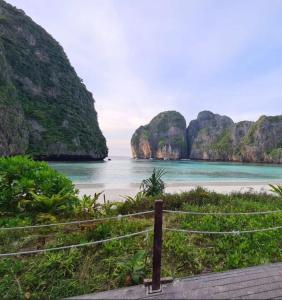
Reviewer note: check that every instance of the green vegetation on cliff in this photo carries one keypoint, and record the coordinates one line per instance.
(224, 143)
(163, 138)
(36, 76)
(210, 137)
(216, 137)
(263, 142)
(165, 120)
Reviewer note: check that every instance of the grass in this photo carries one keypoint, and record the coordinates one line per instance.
(126, 262)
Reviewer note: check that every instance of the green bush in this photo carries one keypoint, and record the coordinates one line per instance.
(131, 270)
(31, 186)
(201, 198)
(197, 196)
(154, 185)
(277, 189)
(117, 263)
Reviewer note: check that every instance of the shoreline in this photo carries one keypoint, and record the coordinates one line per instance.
(116, 193)
(239, 162)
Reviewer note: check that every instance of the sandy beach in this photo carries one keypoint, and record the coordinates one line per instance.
(115, 194)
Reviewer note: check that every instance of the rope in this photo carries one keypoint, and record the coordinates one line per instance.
(234, 232)
(119, 217)
(223, 213)
(75, 246)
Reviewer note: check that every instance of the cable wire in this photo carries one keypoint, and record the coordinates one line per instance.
(119, 217)
(234, 232)
(75, 246)
(223, 213)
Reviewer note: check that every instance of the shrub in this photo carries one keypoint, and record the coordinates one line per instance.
(28, 185)
(277, 189)
(117, 263)
(153, 186)
(131, 270)
(89, 205)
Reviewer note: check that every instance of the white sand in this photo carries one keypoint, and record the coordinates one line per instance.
(115, 194)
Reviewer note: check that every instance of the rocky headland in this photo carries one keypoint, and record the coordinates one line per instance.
(211, 137)
(45, 109)
(163, 138)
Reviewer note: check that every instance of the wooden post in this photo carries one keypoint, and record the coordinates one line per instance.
(157, 248)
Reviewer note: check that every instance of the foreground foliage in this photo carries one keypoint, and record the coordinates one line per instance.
(33, 193)
(154, 185)
(31, 186)
(277, 189)
(125, 262)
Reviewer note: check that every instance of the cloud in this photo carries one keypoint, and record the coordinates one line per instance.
(140, 58)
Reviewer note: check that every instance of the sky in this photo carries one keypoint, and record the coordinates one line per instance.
(142, 57)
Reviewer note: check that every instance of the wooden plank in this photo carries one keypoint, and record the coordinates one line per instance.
(234, 273)
(262, 282)
(266, 294)
(247, 290)
(164, 280)
(237, 287)
(243, 277)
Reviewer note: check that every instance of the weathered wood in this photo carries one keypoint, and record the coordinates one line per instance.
(157, 247)
(250, 289)
(164, 280)
(261, 282)
(237, 280)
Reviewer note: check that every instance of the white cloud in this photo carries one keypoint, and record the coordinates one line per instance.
(140, 58)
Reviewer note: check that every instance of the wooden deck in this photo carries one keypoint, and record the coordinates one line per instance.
(263, 282)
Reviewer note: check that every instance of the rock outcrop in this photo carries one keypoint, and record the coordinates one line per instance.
(215, 137)
(210, 137)
(163, 138)
(45, 109)
(263, 142)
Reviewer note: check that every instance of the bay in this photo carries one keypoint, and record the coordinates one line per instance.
(123, 172)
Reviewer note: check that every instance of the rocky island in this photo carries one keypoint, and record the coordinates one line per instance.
(163, 138)
(212, 137)
(45, 109)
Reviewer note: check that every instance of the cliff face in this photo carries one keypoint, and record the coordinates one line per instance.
(45, 109)
(263, 142)
(13, 131)
(215, 137)
(163, 138)
(208, 137)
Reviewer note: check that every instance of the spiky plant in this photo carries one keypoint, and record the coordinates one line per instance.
(154, 185)
(89, 204)
(277, 189)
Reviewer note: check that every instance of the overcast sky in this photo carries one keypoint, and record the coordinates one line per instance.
(139, 58)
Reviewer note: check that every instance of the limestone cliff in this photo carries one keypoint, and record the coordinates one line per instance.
(209, 137)
(45, 109)
(263, 142)
(163, 138)
(215, 137)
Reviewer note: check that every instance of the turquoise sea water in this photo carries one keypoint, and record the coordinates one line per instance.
(123, 171)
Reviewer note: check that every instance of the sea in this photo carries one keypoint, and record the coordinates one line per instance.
(122, 172)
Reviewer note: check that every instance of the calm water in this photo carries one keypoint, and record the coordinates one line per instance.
(124, 171)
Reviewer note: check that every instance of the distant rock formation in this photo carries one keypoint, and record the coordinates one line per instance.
(45, 109)
(210, 137)
(163, 138)
(263, 142)
(215, 137)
